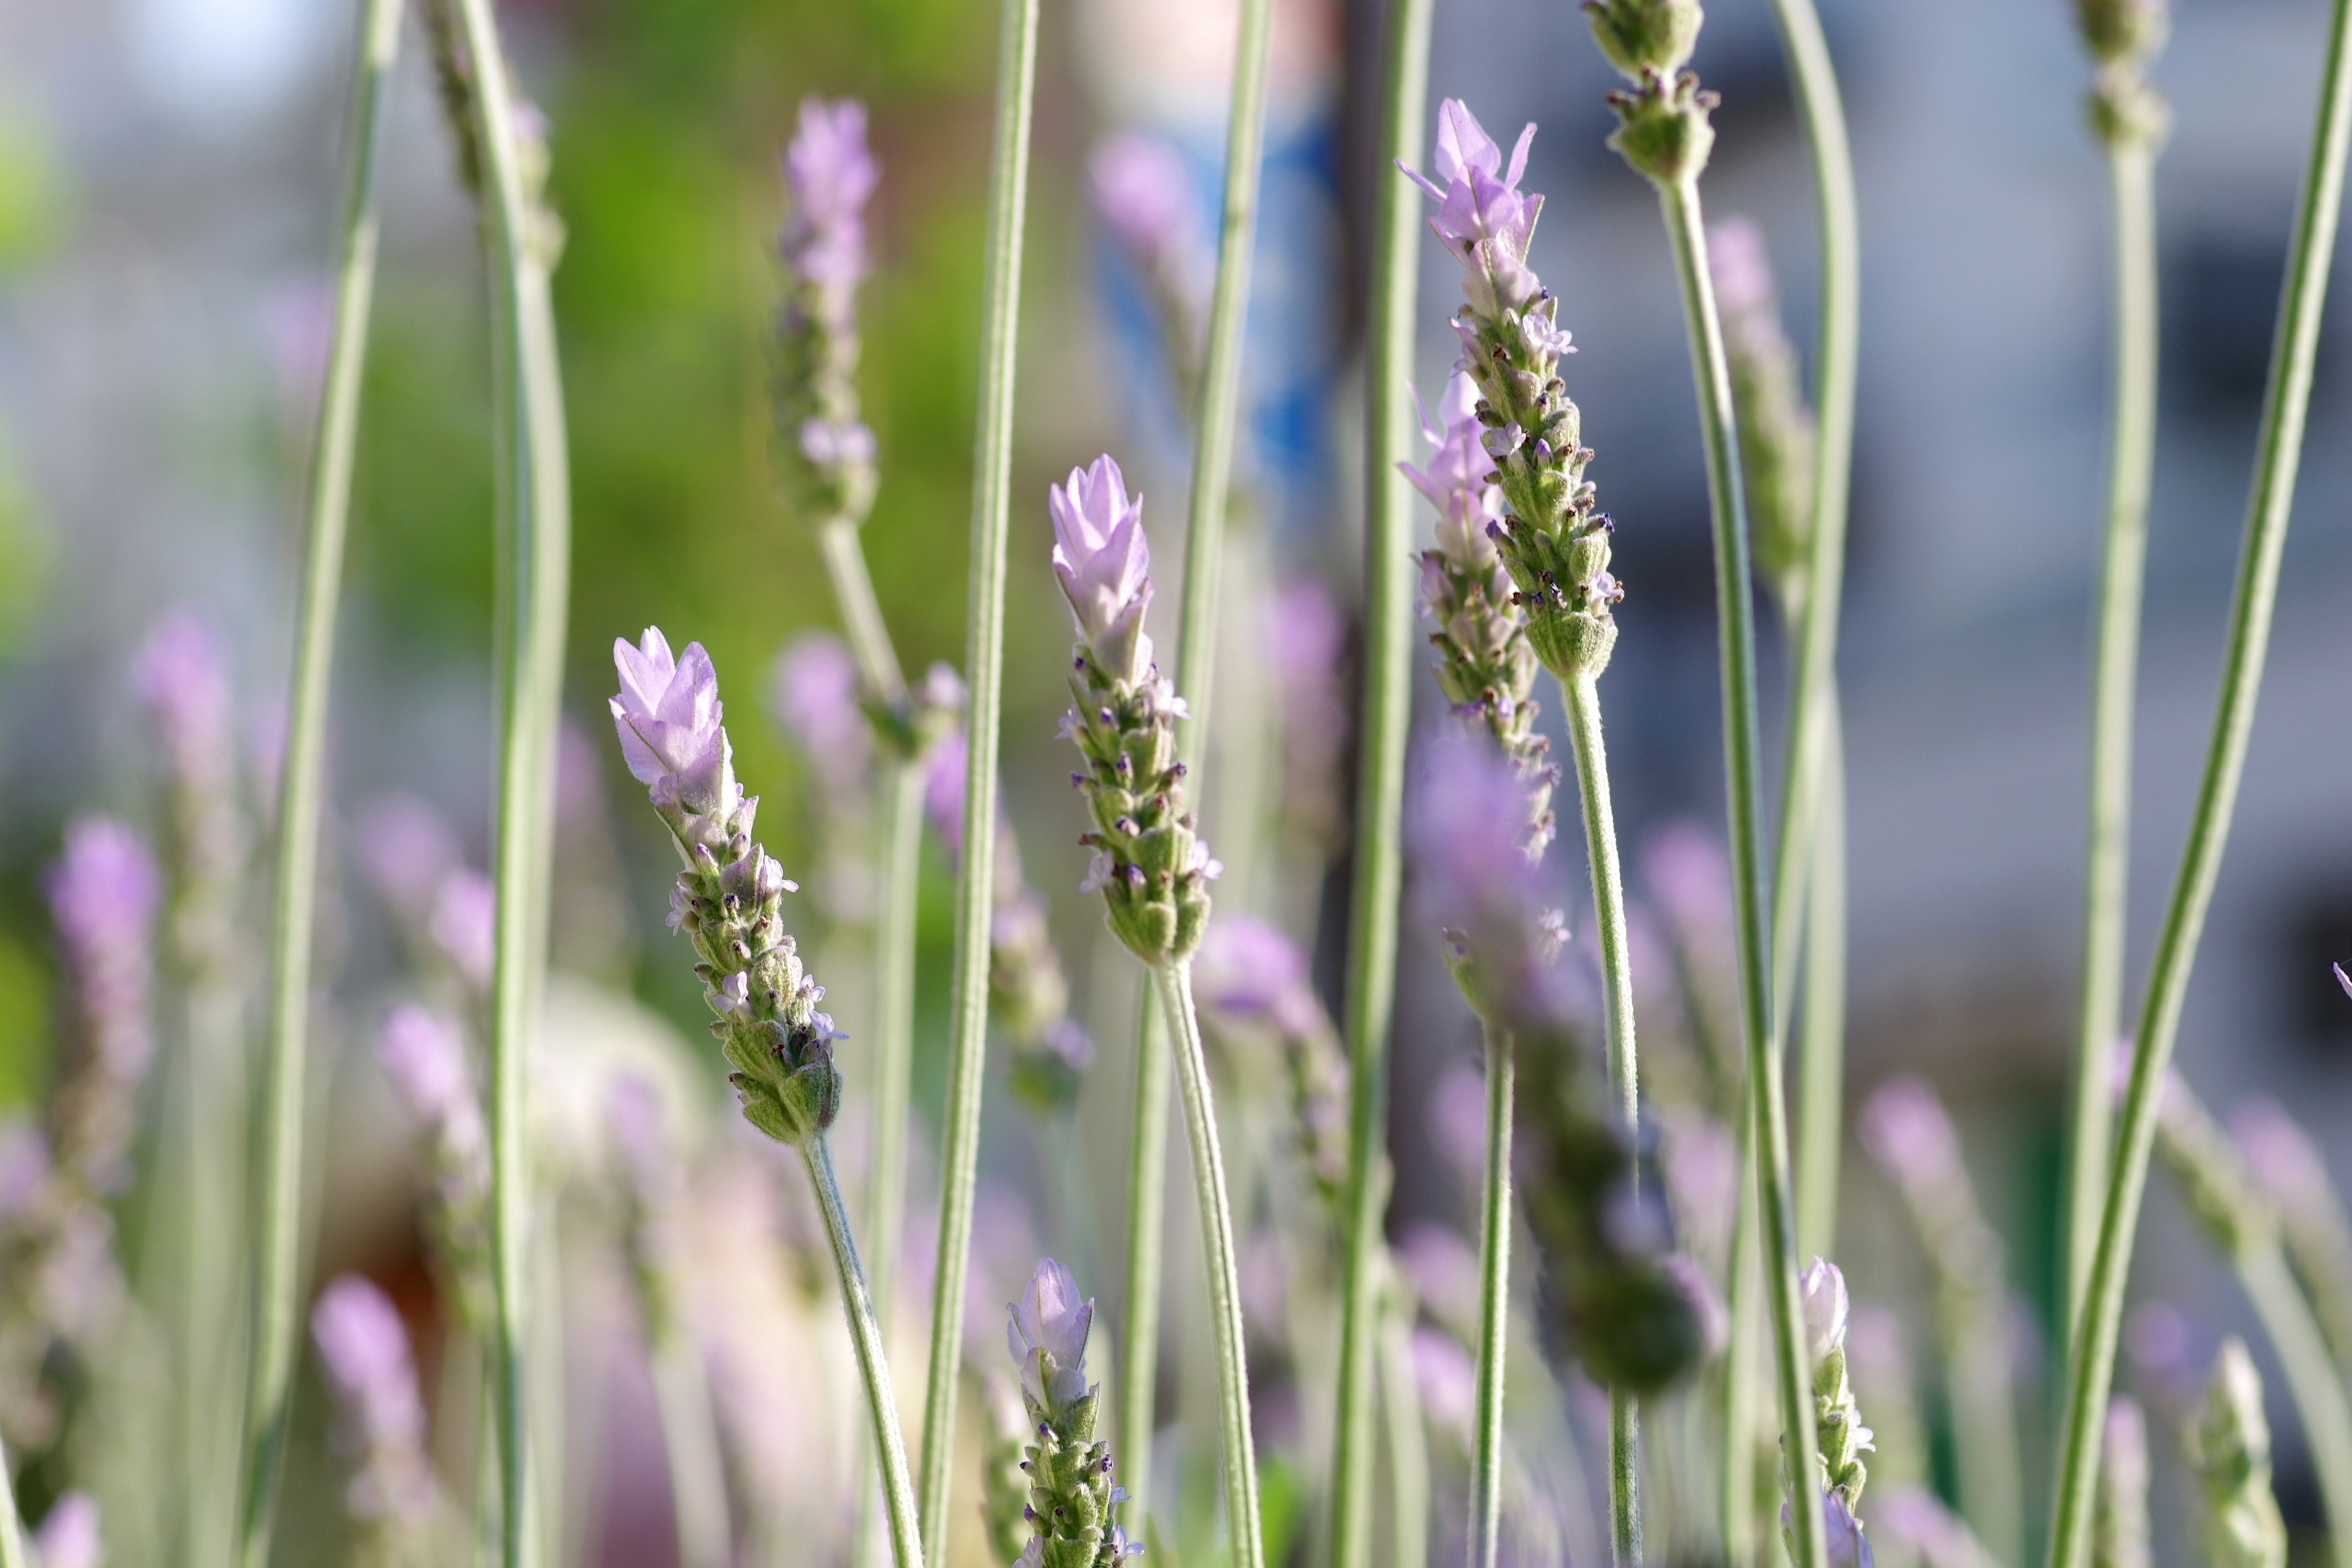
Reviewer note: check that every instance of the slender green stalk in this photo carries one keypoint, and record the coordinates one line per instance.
(1246, 1533)
(1584, 700)
(1493, 1308)
(2131, 460)
(1821, 1051)
(12, 1531)
(1380, 792)
(1408, 1438)
(1736, 1503)
(536, 520)
(1810, 804)
(861, 612)
(2311, 1382)
(873, 1368)
(698, 1489)
(1147, 1212)
(268, 1395)
(2092, 1369)
(1686, 232)
(985, 668)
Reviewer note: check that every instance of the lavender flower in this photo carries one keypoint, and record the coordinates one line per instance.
(2119, 1532)
(407, 850)
(1253, 983)
(2236, 1214)
(814, 693)
(1552, 544)
(69, 1537)
(1913, 1516)
(2289, 1168)
(1149, 864)
(380, 1416)
(104, 894)
(1307, 637)
(2230, 1452)
(1072, 1504)
(1143, 195)
(1776, 428)
(464, 924)
(1839, 1435)
(1466, 833)
(669, 716)
(824, 453)
(423, 1052)
(181, 677)
(651, 1185)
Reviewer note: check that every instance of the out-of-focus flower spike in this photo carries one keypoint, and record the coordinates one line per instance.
(825, 454)
(105, 894)
(1776, 427)
(70, 1536)
(380, 1416)
(2232, 1454)
(2289, 1167)
(1252, 986)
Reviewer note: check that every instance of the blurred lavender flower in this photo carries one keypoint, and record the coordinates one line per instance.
(380, 1418)
(1552, 543)
(105, 894)
(407, 850)
(1072, 1504)
(1307, 645)
(670, 719)
(69, 1536)
(1447, 1375)
(824, 453)
(1878, 1355)
(181, 677)
(2289, 1167)
(1701, 1160)
(1142, 192)
(2119, 1534)
(1252, 986)
(652, 1183)
(423, 1052)
(1914, 1517)
(813, 692)
(1776, 428)
(1149, 864)
(2231, 1450)
(1840, 1436)
(463, 923)
(1467, 834)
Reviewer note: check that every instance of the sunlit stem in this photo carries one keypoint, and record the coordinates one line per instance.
(1493, 1308)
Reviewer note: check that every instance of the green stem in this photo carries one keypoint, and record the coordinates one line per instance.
(1584, 700)
(1813, 749)
(1408, 1438)
(873, 1367)
(894, 1029)
(861, 612)
(984, 669)
(1493, 1308)
(2280, 451)
(1737, 1475)
(278, 1286)
(2131, 459)
(1245, 1534)
(1146, 1211)
(698, 1490)
(1686, 232)
(1380, 792)
(2311, 1382)
(12, 1531)
(1820, 1056)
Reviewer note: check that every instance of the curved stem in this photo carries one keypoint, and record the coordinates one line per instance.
(861, 612)
(1408, 1438)
(1493, 1308)
(1387, 716)
(1813, 720)
(2311, 1382)
(1583, 701)
(1686, 232)
(2131, 460)
(1245, 1534)
(268, 1394)
(873, 1366)
(1820, 1050)
(984, 669)
(1146, 1211)
(2279, 454)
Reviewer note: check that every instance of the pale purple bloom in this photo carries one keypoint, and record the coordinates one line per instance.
(1482, 217)
(182, 676)
(1249, 968)
(1050, 1321)
(423, 1052)
(1826, 1311)
(69, 1536)
(1914, 1517)
(1743, 278)
(1909, 1134)
(1701, 1166)
(2283, 1156)
(1141, 191)
(105, 894)
(1467, 831)
(363, 1349)
(829, 173)
(831, 445)
(2342, 979)
(943, 790)
(1447, 1378)
(1456, 478)
(1689, 877)
(408, 851)
(814, 693)
(1104, 562)
(463, 923)
(23, 1164)
(1443, 1268)
(669, 719)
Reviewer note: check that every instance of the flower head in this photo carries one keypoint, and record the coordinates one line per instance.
(407, 850)
(105, 893)
(1104, 562)
(1141, 191)
(669, 719)
(1826, 1310)
(364, 1347)
(1907, 1131)
(1456, 482)
(182, 676)
(69, 1537)
(424, 1054)
(1482, 217)
(829, 173)
(463, 923)
(1045, 1331)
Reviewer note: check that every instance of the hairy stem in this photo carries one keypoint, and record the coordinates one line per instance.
(984, 669)
(2091, 1370)
(1686, 232)
(1493, 1308)
(1584, 700)
(2131, 460)
(268, 1394)
(1245, 1534)
(873, 1368)
(1387, 716)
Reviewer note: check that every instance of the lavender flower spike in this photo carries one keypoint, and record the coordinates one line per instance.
(423, 1052)
(1776, 428)
(1072, 1499)
(70, 1537)
(824, 453)
(1552, 543)
(1149, 864)
(1253, 985)
(1139, 189)
(363, 1349)
(2230, 1452)
(2287, 1165)
(105, 894)
(729, 899)
(1839, 1432)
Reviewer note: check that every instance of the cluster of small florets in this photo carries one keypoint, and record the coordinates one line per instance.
(1072, 1498)
(2125, 36)
(824, 453)
(730, 899)
(1662, 127)
(2230, 1448)
(1839, 1437)
(1150, 862)
(1776, 427)
(422, 1051)
(1554, 545)
(1255, 992)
